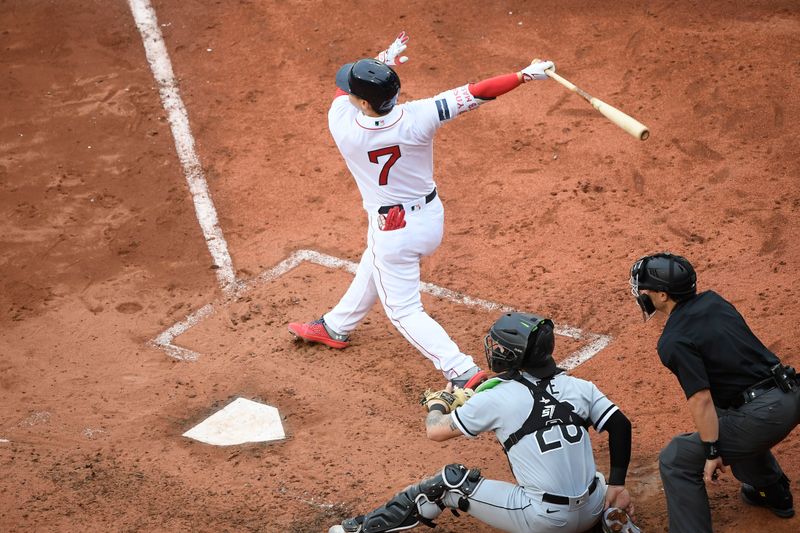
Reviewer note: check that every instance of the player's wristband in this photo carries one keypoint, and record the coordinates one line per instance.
(712, 449)
(438, 407)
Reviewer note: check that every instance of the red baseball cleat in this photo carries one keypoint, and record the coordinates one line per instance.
(317, 331)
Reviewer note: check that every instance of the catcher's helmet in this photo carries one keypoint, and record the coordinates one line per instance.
(521, 341)
(664, 272)
(371, 80)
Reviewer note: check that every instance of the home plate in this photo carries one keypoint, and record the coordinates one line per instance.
(239, 422)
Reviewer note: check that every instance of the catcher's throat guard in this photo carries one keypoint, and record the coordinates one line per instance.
(662, 272)
(644, 300)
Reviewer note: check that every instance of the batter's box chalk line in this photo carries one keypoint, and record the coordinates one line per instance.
(593, 342)
(157, 56)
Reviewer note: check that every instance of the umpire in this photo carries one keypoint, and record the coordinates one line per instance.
(742, 399)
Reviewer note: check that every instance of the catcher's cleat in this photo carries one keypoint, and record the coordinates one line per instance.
(317, 331)
(616, 520)
(351, 525)
(778, 501)
(340, 529)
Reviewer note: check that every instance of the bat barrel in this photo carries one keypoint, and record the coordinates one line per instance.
(626, 122)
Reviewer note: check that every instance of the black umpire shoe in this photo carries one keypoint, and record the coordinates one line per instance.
(778, 500)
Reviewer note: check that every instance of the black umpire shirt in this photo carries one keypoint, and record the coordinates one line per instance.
(707, 345)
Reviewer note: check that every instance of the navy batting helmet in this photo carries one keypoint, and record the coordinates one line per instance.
(371, 80)
(664, 272)
(521, 341)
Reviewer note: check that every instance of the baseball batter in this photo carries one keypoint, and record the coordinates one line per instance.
(388, 148)
(540, 416)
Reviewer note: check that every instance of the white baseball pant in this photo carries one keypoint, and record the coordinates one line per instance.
(389, 271)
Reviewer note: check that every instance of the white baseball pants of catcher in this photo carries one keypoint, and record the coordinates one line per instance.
(389, 271)
(509, 507)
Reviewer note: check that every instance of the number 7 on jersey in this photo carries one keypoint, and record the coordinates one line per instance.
(394, 154)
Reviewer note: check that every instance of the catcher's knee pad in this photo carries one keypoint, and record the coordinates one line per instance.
(411, 506)
(455, 478)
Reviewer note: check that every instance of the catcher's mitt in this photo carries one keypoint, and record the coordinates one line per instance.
(444, 400)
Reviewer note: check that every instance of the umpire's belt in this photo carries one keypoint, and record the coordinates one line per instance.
(752, 392)
(413, 205)
(563, 500)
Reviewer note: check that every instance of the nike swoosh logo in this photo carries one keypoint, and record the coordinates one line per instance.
(548, 511)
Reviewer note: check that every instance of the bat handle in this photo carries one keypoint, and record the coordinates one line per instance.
(568, 84)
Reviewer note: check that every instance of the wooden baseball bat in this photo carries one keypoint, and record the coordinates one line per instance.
(626, 122)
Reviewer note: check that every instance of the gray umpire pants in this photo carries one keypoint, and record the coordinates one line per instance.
(746, 435)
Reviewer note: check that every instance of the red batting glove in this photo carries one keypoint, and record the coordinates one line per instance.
(395, 219)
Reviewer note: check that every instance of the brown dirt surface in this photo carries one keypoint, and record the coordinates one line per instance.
(547, 206)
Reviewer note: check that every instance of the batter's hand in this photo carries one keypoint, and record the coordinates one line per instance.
(391, 56)
(395, 219)
(535, 71)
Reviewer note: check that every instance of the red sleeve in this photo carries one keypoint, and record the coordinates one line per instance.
(494, 87)
(339, 93)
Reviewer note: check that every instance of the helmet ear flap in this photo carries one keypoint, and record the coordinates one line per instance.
(543, 344)
(370, 80)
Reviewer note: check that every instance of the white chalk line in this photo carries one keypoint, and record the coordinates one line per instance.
(164, 340)
(158, 58)
(594, 342)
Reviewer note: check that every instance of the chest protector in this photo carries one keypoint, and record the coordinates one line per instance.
(547, 411)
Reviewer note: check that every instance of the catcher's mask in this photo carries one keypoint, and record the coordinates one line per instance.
(662, 272)
(371, 80)
(521, 341)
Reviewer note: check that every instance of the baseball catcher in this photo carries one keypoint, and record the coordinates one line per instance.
(540, 416)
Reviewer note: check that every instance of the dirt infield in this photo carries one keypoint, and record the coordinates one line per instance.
(547, 205)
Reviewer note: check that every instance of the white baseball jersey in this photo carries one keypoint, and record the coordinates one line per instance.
(557, 459)
(391, 157)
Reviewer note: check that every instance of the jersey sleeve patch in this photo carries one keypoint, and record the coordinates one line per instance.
(452, 103)
(443, 109)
